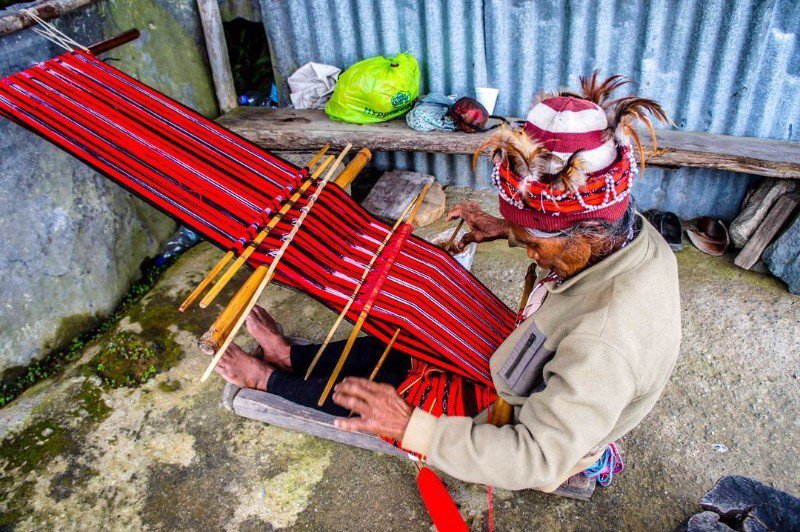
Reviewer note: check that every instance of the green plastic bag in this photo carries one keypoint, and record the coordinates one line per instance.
(375, 90)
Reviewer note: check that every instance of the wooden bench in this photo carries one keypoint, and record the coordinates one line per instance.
(309, 130)
(268, 408)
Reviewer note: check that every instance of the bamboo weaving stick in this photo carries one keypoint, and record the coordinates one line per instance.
(314, 160)
(355, 293)
(381, 360)
(363, 316)
(241, 259)
(384, 355)
(271, 271)
(419, 202)
(220, 329)
(453, 236)
(205, 282)
(229, 255)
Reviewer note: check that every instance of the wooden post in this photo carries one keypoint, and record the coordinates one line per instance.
(217, 54)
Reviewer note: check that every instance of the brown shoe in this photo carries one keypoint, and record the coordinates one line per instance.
(709, 236)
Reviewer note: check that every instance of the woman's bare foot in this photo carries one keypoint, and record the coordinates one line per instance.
(274, 346)
(243, 370)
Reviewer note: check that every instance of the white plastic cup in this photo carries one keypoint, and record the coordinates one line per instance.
(487, 96)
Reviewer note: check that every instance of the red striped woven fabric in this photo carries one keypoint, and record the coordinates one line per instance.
(227, 188)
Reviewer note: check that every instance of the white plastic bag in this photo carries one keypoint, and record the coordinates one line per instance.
(312, 84)
(464, 258)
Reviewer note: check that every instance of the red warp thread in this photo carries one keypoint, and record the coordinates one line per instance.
(225, 187)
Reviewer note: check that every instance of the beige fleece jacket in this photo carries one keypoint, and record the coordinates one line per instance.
(584, 370)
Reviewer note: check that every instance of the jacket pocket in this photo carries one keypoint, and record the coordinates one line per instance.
(522, 371)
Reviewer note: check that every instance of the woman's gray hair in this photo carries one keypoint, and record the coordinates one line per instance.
(609, 234)
(612, 235)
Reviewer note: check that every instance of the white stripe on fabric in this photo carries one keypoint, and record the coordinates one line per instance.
(549, 119)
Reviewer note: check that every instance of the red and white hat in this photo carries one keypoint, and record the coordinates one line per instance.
(565, 125)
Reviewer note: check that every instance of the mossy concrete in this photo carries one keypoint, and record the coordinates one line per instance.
(77, 454)
(74, 241)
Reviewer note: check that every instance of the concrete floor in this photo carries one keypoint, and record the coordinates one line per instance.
(76, 455)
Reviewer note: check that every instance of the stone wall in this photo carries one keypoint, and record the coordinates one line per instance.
(72, 240)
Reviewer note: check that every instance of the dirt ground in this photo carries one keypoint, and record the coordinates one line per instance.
(78, 453)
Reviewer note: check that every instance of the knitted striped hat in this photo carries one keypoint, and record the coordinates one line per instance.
(576, 161)
(565, 124)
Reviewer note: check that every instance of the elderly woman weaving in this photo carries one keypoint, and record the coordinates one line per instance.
(599, 328)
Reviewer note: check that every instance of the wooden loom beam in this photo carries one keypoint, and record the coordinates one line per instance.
(271, 270)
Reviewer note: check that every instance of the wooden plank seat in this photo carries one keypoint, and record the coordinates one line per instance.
(309, 130)
(275, 410)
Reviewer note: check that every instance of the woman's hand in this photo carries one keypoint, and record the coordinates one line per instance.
(382, 411)
(483, 226)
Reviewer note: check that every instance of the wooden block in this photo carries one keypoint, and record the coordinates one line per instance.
(228, 395)
(777, 216)
(758, 203)
(280, 412)
(275, 410)
(397, 188)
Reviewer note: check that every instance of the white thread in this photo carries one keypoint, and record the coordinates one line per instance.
(53, 34)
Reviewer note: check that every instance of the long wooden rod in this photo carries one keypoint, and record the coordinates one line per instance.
(271, 271)
(197, 292)
(384, 355)
(206, 281)
(355, 293)
(453, 236)
(240, 261)
(362, 317)
(115, 42)
(315, 159)
(17, 20)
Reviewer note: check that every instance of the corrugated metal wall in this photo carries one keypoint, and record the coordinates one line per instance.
(722, 66)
